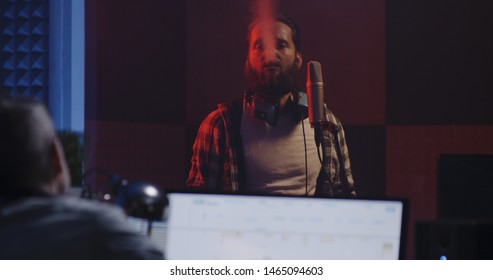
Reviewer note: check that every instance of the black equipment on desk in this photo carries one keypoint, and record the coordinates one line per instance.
(450, 239)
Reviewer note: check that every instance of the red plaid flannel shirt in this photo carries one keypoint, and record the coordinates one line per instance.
(217, 156)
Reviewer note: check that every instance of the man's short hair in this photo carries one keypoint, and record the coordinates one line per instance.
(26, 133)
(295, 30)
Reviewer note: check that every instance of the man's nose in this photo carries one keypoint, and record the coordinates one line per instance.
(270, 50)
(270, 54)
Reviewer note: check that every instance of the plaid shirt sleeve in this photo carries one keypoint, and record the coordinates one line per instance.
(337, 176)
(206, 171)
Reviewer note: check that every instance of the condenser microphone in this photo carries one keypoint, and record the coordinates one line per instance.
(315, 92)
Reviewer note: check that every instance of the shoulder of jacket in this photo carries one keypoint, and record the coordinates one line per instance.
(331, 117)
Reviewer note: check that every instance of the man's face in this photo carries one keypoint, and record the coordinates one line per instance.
(273, 61)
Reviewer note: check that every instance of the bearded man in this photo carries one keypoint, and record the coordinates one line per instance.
(263, 144)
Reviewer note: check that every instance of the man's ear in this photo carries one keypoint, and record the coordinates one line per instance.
(298, 60)
(59, 167)
(55, 156)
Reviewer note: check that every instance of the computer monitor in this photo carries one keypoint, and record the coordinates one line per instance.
(204, 226)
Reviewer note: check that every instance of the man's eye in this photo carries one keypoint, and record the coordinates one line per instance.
(282, 45)
(257, 46)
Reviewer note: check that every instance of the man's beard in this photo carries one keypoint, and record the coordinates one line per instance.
(272, 86)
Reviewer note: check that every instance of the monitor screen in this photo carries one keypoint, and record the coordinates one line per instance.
(225, 226)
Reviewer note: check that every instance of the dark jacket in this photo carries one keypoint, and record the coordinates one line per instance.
(66, 227)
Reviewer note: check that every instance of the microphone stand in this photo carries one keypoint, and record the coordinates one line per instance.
(319, 128)
(149, 227)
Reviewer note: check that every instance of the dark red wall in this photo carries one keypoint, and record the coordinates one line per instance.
(135, 89)
(439, 94)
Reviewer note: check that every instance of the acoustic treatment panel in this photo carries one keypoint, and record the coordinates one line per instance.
(24, 48)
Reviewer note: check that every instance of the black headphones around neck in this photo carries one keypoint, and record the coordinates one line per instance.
(268, 111)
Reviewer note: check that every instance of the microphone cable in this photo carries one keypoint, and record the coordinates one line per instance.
(320, 135)
(306, 155)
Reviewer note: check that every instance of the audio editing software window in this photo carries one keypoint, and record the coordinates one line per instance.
(212, 226)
